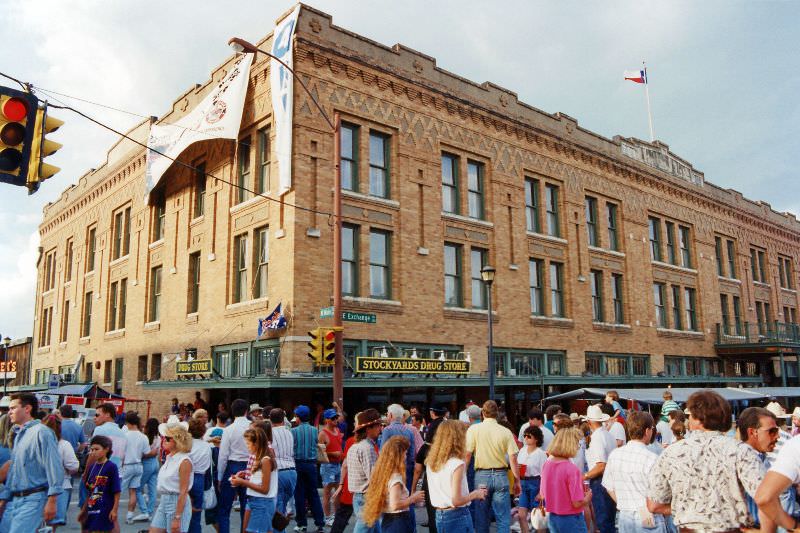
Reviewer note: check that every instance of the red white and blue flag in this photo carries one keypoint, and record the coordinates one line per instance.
(274, 321)
(638, 76)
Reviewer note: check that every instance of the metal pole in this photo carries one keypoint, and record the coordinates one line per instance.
(491, 343)
(647, 95)
(338, 361)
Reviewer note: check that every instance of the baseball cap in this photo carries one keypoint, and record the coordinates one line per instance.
(302, 411)
(329, 413)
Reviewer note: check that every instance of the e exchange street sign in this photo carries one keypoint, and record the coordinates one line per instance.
(402, 365)
(191, 368)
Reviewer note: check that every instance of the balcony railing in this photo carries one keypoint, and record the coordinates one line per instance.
(759, 333)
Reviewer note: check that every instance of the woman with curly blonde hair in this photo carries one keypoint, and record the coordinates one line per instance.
(387, 494)
(447, 481)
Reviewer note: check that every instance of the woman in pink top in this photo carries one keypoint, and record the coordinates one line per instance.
(562, 486)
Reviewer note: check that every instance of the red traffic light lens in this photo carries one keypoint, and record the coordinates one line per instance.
(12, 134)
(330, 335)
(15, 109)
(10, 159)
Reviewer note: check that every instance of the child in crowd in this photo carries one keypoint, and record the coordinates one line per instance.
(99, 512)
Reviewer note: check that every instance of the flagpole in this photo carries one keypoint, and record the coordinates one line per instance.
(647, 94)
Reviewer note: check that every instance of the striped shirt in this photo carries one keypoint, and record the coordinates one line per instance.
(361, 458)
(626, 474)
(283, 445)
(305, 442)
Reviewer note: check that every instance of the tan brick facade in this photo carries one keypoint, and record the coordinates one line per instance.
(423, 112)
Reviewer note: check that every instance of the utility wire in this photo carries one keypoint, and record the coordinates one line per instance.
(175, 160)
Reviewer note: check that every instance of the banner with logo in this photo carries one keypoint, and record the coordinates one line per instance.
(282, 89)
(47, 401)
(218, 116)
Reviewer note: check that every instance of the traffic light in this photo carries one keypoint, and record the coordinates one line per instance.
(316, 345)
(329, 345)
(18, 111)
(41, 147)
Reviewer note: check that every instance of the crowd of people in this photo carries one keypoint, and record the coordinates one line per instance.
(612, 469)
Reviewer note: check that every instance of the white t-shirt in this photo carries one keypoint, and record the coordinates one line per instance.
(600, 447)
(256, 478)
(665, 431)
(395, 479)
(68, 460)
(617, 431)
(533, 461)
(169, 480)
(440, 483)
(788, 461)
(200, 456)
(136, 445)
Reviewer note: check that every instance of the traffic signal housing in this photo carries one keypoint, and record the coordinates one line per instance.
(41, 147)
(315, 345)
(18, 113)
(329, 345)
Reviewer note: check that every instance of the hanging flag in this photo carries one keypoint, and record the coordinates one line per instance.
(218, 116)
(638, 76)
(274, 321)
(282, 88)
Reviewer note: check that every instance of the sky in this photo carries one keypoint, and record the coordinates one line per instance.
(724, 80)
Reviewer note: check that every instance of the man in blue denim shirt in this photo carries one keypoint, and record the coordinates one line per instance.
(35, 477)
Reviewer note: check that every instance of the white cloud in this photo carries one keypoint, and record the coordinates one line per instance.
(17, 286)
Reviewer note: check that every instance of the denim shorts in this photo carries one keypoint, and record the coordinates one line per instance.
(261, 513)
(456, 520)
(530, 490)
(330, 473)
(130, 477)
(167, 505)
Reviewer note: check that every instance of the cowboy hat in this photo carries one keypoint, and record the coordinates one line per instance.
(595, 414)
(796, 412)
(171, 422)
(776, 409)
(367, 418)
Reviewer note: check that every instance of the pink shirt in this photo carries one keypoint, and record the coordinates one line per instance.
(562, 484)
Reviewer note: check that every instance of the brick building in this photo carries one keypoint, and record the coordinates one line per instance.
(617, 262)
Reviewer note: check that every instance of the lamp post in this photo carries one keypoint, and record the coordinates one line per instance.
(240, 45)
(6, 342)
(487, 275)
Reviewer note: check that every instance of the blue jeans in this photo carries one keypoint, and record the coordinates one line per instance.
(395, 523)
(306, 489)
(456, 520)
(287, 480)
(149, 480)
(196, 497)
(23, 515)
(631, 522)
(361, 527)
(566, 523)
(604, 507)
(497, 501)
(226, 494)
(62, 506)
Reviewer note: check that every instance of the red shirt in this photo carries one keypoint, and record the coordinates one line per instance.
(334, 444)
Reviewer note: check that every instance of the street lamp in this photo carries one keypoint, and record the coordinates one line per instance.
(487, 275)
(6, 342)
(240, 45)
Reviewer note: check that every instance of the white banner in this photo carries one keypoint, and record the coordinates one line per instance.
(282, 89)
(218, 116)
(47, 401)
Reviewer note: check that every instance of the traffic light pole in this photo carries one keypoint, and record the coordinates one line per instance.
(338, 362)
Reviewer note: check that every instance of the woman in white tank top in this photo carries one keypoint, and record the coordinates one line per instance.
(262, 485)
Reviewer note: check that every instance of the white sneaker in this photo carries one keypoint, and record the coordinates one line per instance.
(329, 520)
(142, 517)
(515, 527)
(129, 518)
(236, 505)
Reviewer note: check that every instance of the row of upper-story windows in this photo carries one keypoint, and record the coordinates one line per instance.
(675, 308)
(670, 242)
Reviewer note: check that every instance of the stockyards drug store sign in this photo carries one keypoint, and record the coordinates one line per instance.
(193, 368)
(398, 365)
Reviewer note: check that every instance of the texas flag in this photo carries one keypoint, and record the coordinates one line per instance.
(638, 76)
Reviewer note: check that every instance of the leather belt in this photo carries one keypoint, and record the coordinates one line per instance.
(289, 468)
(532, 477)
(690, 530)
(28, 492)
(503, 469)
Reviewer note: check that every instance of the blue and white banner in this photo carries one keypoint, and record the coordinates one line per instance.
(282, 89)
(218, 116)
(274, 321)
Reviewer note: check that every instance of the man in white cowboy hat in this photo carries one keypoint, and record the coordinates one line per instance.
(600, 447)
(781, 416)
(256, 412)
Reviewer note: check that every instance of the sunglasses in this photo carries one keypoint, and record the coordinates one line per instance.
(771, 431)
(168, 439)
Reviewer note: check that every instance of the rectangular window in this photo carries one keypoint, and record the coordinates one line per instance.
(349, 157)
(86, 327)
(91, 248)
(659, 298)
(64, 322)
(452, 275)
(535, 267)
(726, 319)
(107, 371)
(731, 259)
(594, 364)
(613, 223)
(123, 303)
(475, 189)
(378, 164)
(141, 368)
(690, 308)
(122, 233)
(591, 221)
(551, 205)
(761, 318)
(556, 289)
(673, 366)
(154, 314)
(718, 253)
(616, 366)
(68, 261)
(243, 171)
(758, 265)
(159, 218)
(240, 292)
(155, 367)
(50, 270)
(671, 257)
(785, 272)
(618, 298)
(194, 283)
(350, 260)
(677, 317)
(45, 326)
(199, 207)
(262, 183)
(526, 364)
(596, 282)
(262, 266)
(685, 245)
(737, 315)
(654, 229)
(762, 270)
(380, 285)
(449, 183)
(478, 258)
(532, 205)
(113, 294)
